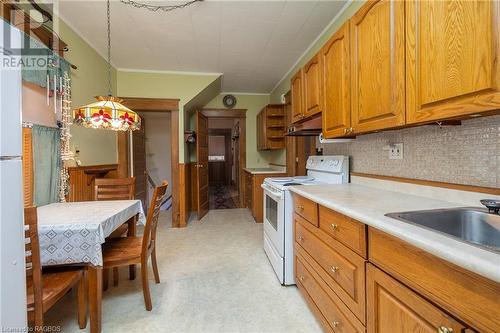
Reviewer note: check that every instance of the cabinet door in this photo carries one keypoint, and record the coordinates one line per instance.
(453, 58)
(392, 307)
(336, 84)
(378, 66)
(312, 87)
(296, 89)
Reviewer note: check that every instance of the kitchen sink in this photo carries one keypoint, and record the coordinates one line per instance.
(475, 226)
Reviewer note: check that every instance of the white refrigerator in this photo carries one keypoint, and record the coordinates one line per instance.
(12, 270)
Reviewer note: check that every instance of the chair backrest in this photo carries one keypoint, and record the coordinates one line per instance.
(114, 188)
(149, 236)
(32, 257)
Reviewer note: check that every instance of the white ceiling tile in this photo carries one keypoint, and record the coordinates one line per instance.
(254, 43)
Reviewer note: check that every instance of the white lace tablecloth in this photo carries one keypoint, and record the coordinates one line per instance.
(73, 232)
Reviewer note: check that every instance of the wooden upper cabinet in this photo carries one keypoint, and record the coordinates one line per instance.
(378, 66)
(312, 86)
(452, 59)
(271, 127)
(296, 90)
(335, 84)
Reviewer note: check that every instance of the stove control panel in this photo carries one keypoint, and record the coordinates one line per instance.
(333, 164)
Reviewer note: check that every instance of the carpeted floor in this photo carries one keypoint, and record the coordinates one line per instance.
(215, 277)
(219, 197)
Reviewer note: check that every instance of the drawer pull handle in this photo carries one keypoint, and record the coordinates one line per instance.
(334, 269)
(335, 226)
(301, 238)
(301, 278)
(300, 207)
(335, 323)
(444, 329)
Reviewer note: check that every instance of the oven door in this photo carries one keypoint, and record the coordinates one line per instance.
(274, 223)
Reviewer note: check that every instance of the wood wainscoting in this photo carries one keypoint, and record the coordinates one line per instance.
(81, 180)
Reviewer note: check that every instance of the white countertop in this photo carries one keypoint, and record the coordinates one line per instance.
(254, 171)
(368, 205)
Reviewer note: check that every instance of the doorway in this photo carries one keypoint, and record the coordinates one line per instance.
(177, 170)
(220, 152)
(222, 193)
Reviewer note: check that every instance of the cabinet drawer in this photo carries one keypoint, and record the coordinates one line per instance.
(341, 269)
(331, 307)
(392, 307)
(349, 232)
(306, 208)
(469, 297)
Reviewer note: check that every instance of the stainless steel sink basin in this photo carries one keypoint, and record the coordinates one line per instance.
(471, 225)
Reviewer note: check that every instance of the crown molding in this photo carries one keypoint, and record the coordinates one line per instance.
(243, 93)
(137, 70)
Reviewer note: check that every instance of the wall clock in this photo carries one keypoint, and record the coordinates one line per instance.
(229, 101)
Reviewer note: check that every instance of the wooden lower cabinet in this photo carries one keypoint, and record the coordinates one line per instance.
(392, 307)
(254, 194)
(342, 270)
(335, 315)
(367, 277)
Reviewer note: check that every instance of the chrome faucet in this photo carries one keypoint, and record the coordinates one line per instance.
(492, 205)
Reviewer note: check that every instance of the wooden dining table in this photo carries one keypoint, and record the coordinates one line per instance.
(73, 233)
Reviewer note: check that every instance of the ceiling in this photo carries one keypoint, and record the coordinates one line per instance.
(253, 43)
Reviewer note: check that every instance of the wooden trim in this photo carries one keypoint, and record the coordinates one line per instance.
(179, 212)
(123, 150)
(93, 167)
(151, 104)
(179, 215)
(224, 113)
(277, 164)
(459, 187)
(241, 115)
(28, 166)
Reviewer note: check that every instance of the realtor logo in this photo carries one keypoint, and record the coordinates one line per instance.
(29, 36)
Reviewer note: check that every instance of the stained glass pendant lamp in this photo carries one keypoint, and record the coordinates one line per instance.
(107, 112)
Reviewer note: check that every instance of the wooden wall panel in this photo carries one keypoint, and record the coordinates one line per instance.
(81, 180)
(27, 167)
(184, 187)
(193, 188)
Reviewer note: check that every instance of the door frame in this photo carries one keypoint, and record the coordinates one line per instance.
(240, 114)
(179, 213)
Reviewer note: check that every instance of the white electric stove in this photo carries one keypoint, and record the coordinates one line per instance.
(278, 209)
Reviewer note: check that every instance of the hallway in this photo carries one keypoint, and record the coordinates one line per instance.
(215, 277)
(220, 197)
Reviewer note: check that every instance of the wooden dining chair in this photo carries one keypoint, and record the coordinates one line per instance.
(45, 289)
(137, 250)
(117, 189)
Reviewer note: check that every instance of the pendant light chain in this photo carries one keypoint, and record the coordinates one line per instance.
(109, 48)
(153, 8)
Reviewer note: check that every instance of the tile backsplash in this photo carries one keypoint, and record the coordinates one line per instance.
(466, 154)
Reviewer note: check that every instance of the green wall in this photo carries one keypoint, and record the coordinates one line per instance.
(89, 80)
(253, 104)
(284, 85)
(165, 85)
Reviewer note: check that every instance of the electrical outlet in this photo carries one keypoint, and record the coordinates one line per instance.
(396, 151)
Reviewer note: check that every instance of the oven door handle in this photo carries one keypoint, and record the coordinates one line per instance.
(277, 194)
